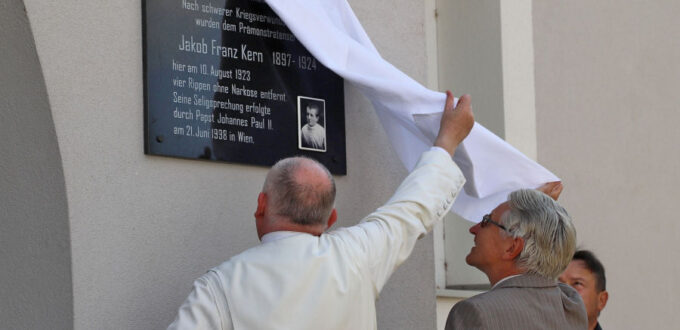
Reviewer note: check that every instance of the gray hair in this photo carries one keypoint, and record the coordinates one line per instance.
(548, 233)
(305, 202)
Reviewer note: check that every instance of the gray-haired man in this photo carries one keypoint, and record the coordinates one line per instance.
(522, 246)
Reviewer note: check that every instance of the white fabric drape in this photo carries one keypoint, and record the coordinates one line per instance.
(408, 111)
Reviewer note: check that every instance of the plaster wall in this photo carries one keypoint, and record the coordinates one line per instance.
(470, 58)
(607, 101)
(142, 228)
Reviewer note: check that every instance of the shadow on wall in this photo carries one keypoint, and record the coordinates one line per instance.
(35, 254)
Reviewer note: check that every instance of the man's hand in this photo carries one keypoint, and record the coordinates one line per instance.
(456, 123)
(552, 189)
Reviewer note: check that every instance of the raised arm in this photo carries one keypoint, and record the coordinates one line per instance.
(387, 236)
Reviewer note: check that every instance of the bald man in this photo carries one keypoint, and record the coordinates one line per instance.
(302, 277)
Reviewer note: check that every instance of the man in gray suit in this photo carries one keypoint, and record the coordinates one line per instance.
(522, 246)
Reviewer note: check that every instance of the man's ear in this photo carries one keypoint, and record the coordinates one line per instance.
(552, 189)
(602, 298)
(261, 204)
(515, 249)
(332, 218)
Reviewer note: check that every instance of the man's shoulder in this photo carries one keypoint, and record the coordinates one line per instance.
(525, 287)
(251, 254)
(509, 292)
(528, 281)
(479, 301)
(289, 250)
(469, 313)
(477, 305)
(532, 305)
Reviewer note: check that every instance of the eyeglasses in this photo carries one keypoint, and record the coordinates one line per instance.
(487, 220)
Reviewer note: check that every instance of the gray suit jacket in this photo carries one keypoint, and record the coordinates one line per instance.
(522, 302)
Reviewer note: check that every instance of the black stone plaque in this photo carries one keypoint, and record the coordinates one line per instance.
(227, 81)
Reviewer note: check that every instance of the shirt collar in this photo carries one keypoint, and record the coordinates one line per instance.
(278, 235)
(503, 279)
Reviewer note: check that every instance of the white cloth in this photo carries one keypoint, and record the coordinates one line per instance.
(301, 281)
(408, 111)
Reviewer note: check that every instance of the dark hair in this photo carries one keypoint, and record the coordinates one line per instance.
(594, 265)
(314, 106)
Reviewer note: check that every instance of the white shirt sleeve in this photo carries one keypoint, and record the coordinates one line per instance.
(205, 308)
(387, 236)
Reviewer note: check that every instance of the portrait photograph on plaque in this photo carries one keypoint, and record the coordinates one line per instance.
(312, 120)
(227, 81)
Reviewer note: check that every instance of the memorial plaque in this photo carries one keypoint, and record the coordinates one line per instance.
(227, 81)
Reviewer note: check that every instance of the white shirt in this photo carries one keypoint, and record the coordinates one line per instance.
(277, 235)
(313, 136)
(301, 281)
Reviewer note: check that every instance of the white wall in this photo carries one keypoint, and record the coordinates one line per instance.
(143, 227)
(607, 104)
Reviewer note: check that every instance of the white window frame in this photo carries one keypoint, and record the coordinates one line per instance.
(516, 121)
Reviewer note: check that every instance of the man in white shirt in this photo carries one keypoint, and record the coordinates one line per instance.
(522, 246)
(302, 277)
(313, 134)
